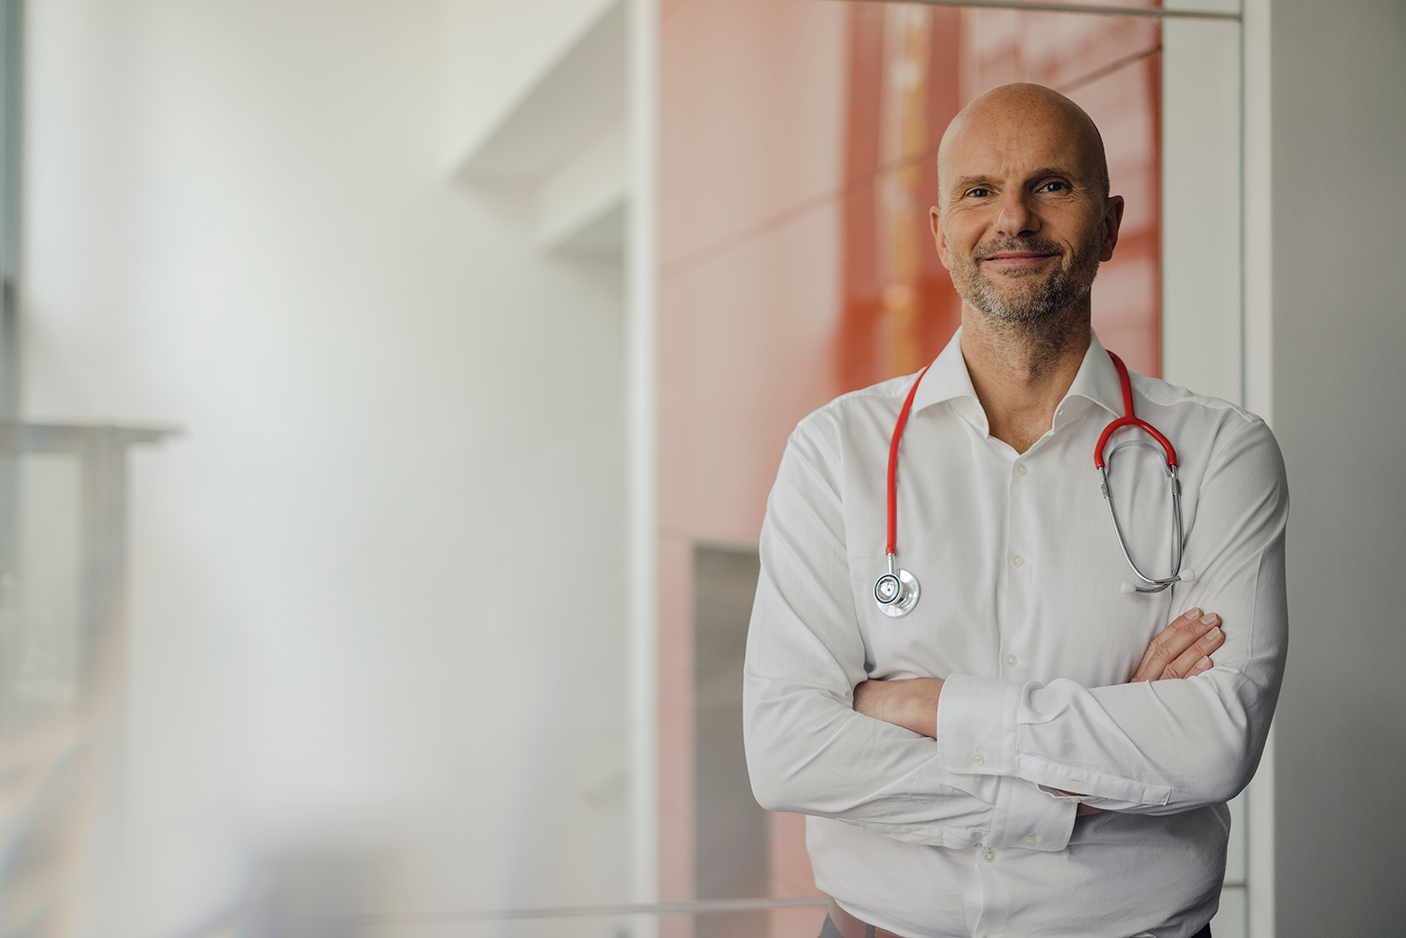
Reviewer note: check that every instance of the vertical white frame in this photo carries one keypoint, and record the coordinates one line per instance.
(642, 475)
(1202, 317)
(1216, 276)
(1259, 387)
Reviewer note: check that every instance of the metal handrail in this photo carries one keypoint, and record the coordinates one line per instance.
(691, 907)
(1034, 6)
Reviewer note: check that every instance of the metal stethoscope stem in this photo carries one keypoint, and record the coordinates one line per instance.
(1154, 584)
(1169, 455)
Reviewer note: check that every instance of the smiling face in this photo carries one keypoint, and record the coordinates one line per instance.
(1024, 217)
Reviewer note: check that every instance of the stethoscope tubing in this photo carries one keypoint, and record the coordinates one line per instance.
(1130, 419)
(897, 591)
(891, 544)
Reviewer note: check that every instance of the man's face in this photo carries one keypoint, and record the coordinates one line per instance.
(1023, 222)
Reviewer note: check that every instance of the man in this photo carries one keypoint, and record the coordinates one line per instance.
(1005, 759)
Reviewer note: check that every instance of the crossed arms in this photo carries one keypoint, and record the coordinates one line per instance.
(1181, 650)
(965, 759)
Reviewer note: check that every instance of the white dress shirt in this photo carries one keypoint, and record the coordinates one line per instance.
(1023, 614)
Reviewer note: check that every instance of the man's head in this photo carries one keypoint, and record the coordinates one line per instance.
(1024, 215)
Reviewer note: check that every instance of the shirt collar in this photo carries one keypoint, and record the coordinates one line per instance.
(1096, 381)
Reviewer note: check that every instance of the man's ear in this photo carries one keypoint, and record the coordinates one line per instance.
(1112, 219)
(935, 219)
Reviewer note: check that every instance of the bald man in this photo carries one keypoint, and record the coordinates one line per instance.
(1031, 750)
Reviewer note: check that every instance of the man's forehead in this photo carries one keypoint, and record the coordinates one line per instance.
(993, 141)
(1019, 128)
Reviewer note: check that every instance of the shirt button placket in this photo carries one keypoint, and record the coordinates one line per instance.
(1020, 538)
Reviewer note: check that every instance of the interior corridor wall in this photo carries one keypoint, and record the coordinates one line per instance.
(399, 418)
(1339, 210)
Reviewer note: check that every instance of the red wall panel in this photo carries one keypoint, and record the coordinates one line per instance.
(797, 167)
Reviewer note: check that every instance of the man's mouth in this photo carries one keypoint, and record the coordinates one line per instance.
(1017, 260)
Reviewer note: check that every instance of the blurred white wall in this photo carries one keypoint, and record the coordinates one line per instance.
(376, 592)
(499, 51)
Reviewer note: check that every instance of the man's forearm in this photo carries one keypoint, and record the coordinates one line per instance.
(911, 704)
(1183, 649)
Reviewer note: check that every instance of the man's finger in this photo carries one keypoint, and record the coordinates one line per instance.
(1199, 651)
(1172, 642)
(1184, 621)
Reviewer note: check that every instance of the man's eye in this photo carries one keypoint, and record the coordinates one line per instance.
(978, 193)
(1054, 185)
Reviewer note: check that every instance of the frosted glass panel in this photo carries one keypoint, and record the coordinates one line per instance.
(43, 641)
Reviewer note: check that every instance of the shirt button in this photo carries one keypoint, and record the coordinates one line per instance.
(1012, 661)
(978, 759)
(1028, 840)
(1017, 560)
(989, 856)
(1020, 469)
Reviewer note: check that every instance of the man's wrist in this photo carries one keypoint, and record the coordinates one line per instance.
(922, 708)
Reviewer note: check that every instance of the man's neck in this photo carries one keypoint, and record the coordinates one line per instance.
(1021, 374)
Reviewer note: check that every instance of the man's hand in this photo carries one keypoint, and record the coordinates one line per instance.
(1182, 649)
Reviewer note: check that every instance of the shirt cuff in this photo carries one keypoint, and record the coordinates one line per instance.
(976, 725)
(1026, 817)
(976, 722)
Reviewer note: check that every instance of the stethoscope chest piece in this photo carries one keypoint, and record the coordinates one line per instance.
(896, 592)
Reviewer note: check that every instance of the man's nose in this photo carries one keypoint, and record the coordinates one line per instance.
(1017, 215)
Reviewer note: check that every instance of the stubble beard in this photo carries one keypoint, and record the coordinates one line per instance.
(1031, 304)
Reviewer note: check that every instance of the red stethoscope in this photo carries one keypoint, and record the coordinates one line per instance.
(897, 590)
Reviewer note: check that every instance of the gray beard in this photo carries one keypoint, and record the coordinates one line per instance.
(1041, 304)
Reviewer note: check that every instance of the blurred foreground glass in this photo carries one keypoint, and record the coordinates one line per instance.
(62, 628)
(796, 171)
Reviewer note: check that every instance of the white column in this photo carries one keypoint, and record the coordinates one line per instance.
(1259, 359)
(641, 285)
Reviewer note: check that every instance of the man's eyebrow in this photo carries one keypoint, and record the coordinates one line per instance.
(966, 182)
(1063, 171)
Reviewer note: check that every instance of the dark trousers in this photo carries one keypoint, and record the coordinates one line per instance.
(828, 931)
